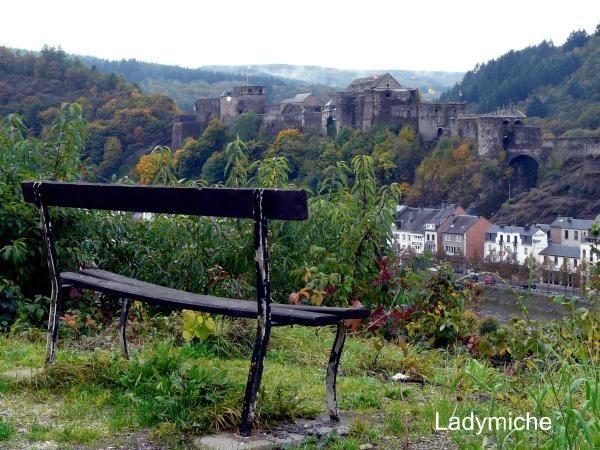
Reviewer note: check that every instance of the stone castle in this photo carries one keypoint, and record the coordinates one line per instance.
(367, 102)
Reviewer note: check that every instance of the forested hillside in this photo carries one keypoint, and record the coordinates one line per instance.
(186, 85)
(558, 86)
(122, 122)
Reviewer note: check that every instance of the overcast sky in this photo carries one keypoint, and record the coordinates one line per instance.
(450, 35)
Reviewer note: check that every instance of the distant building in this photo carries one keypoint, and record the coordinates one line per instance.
(570, 231)
(464, 236)
(587, 255)
(557, 257)
(416, 229)
(514, 244)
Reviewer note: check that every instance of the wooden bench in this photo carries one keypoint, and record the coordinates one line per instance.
(256, 204)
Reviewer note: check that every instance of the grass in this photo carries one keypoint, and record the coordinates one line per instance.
(171, 392)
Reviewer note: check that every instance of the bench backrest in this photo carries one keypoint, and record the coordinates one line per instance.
(256, 204)
(219, 202)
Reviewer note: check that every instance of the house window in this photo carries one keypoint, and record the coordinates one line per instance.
(515, 240)
(574, 262)
(576, 235)
(583, 252)
(447, 237)
(566, 234)
(556, 260)
(525, 250)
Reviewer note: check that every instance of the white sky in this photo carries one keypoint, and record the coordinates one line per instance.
(417, 35)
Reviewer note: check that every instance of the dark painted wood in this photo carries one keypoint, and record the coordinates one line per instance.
(332, 369)
(340, 313)
(263, 301)
(56, 294)
(186, 300)
(125, 304)
(220, 202)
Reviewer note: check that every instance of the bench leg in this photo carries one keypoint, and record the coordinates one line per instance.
(125, 304)
(254, 377)
(332, 368)
(56, 300)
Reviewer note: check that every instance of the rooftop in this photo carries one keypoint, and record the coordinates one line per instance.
(298, 98)
(527, 231)
(571, 223)
(459, 224)
(561, 250)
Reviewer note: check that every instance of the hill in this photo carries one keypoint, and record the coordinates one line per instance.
(122, 121)
(573, 191)
(185, 85)
(558, 86)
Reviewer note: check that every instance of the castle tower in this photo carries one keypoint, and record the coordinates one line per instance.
(243, 99)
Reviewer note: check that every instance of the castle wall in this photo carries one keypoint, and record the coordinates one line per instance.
(437, 119)
(367, 109)
(184, 127)
(526, 137)
(490, 136)
(206, 109)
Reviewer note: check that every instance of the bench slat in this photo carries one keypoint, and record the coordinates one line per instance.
(197, 302)
(341, 313)
(218, 202)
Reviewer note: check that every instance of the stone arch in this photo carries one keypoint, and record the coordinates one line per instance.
(525, 173)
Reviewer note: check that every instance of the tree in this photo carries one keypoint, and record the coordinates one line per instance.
(111, 159)
(196, 153)
(247, 126)
(289, 144)
(537, 108)
(158, 167)
(576, 39)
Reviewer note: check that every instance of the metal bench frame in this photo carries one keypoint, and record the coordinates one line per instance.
(256, 204)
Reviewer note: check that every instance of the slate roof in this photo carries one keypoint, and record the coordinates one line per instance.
(571, 223)
(413, 220)
(526, 231)
(543, 226)
(298, 98)
(459, 225)
(372, 81)
(561, 250)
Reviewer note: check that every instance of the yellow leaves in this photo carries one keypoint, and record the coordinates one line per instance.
(290, 133)
(197, 325)
(462, 152)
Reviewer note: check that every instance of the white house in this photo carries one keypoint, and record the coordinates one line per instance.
(557, 257)
(514, 243)
(587, 255)
(415, 229)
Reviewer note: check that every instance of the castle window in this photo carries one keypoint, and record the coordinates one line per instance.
(387, 84)
(408, 113)
(518, 122)
(250, 91)
(387, 94)
(239, 111)
(260, 91)
(435, 111)
(505, 122)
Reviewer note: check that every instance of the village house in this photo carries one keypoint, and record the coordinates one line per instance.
(464, 235)
(416, 228)
(514, 244)
(570, 231)
(558, 257)
(587, 255)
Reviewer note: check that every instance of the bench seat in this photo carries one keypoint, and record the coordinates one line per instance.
(121, 286)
